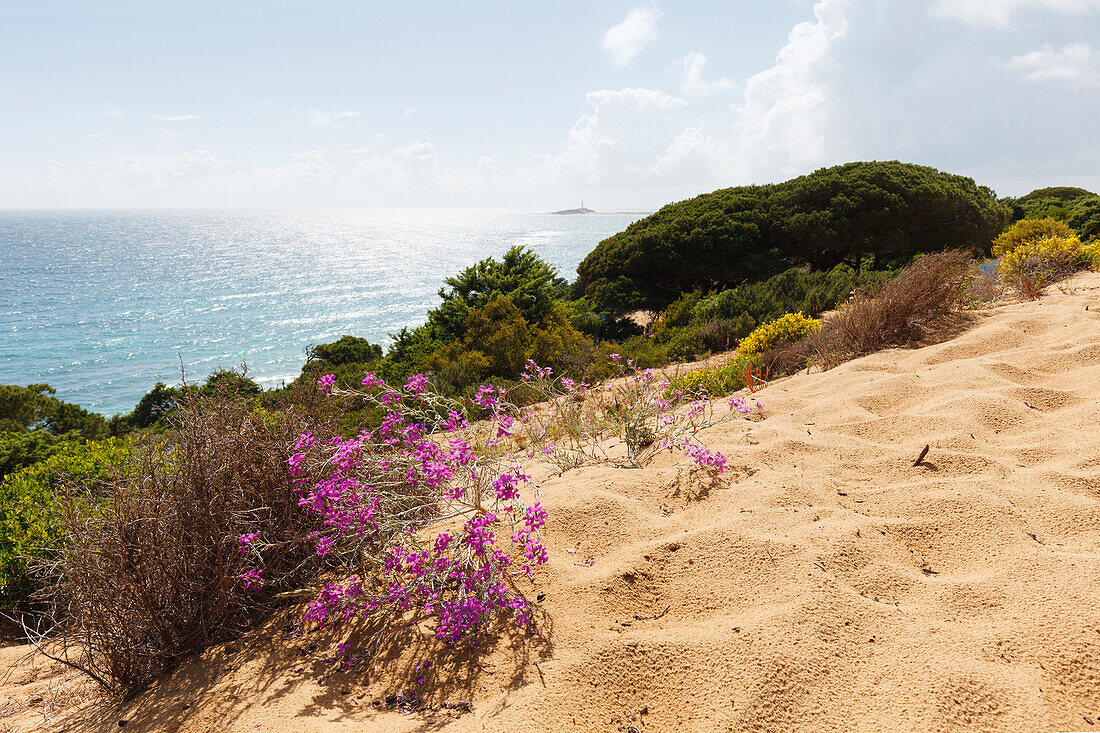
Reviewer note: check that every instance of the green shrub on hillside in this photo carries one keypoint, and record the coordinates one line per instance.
(752, 304)
(710, 381)
(345, 350)
(21, 449)
(29, 520)
(35, 408)
(750, 233)
(1077, 207)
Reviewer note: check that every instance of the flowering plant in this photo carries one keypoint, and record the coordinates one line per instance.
(431, 514)
(577, 423)
(425, 512)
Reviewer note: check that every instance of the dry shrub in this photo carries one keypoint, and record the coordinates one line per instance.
(898, 312)
(154, 574)
(985, 288)
(1033, 265)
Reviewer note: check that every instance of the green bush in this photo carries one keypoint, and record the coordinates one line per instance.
(722, 334)
(743, 308)
(685, 344)
(345, 350)
(29, 520)
(21, 449)
(1077, 207)
(750, 233)
(710, 381)
(35, 408)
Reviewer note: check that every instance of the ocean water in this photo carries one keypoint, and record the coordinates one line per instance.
(102, 305)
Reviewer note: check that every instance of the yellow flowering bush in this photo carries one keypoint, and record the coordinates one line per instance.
(788, 329)
(708, 382)
(1033, 265)
(1027, 231)
(1092, 253)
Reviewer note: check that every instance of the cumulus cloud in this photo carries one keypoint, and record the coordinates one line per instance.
(319, 118)
(624, 129)
(783, 124)
(693, 84)
(624, 41)
(785, 120)
(998, 13)
(410, 111)
(1074, 64)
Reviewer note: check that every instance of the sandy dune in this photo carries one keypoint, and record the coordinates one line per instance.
(826, 584)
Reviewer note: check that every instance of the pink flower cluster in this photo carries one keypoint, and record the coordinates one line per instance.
(378, 494)
(704, 457)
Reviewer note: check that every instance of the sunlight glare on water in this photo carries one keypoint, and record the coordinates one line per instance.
(103, 304)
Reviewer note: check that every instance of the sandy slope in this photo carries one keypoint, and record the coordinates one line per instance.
(826, 585)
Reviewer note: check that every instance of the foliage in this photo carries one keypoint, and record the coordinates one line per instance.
(1034, 264)
(425, 511)
(30, 521)
(155, 574)
(750, 233)
(747, 306)
(520, 275)
(712, 381)
(1077, 207)
(789, 329)
(1086, 219)
(896, 313)
(21, 449)
(230, 383)
(35, 408)
(156, 405)
(345, 350)
(462, 340)
(150, 410)
(685, 344)
(574, 423)
(1029, 230)
(499, 341)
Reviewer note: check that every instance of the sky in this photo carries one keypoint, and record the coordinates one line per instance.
(535, 105)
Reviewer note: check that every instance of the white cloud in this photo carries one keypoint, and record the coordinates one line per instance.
(693, 157)
(156, 172)
(623, 41)
(693, 84)
(998, 13)
(626, 130)
(114, 113)
(1075, 64)
(785, 118)
(319, 118)
(784, 124)
(173, 118)
(410, 111)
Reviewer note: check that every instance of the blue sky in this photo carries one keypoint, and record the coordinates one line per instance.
(532, 105)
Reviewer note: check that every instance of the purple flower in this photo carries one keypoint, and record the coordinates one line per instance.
(416, 384)
(252, 581)
(246, 540)
(326, 383)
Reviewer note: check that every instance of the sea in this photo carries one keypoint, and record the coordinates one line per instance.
(101, 305)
